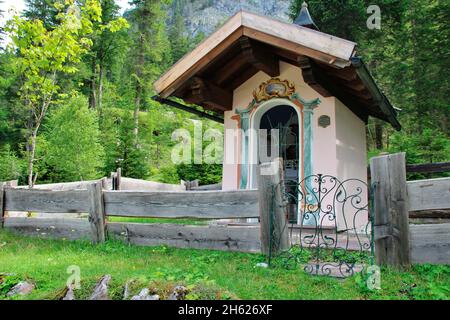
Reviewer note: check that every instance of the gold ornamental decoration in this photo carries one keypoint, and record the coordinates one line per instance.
(274, 88)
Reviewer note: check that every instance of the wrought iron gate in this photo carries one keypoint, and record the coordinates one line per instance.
(334, 230)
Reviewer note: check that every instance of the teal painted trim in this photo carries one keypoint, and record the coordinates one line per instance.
(245, 123)
(308, 155)
(307, 104)
(308, 143)
(247, 110)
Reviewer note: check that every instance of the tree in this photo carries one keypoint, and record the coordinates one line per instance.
(1, 28)
(406, 57)
(133, 161)
(345, 19)
(43, 55)
(73, 151)
(149, 52)
(179, 41)
(43, 10)
(106, 43)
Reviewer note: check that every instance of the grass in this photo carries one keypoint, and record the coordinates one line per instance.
(208, 274)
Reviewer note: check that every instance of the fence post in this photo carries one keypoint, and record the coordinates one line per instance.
(118, 178)
(274, 230)
(192, 184)
(97, 212)
(391, 220)
(2, 204)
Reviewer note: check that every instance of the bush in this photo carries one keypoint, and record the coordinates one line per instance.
(205, 173)
(10, 166)
(72, 148)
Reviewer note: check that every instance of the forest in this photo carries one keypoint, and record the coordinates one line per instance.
(76, 85)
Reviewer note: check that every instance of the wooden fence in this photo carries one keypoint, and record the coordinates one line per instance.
(397, 203)
(397, 240)
(101, 204)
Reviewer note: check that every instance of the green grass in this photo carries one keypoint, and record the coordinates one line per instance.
(209, 274)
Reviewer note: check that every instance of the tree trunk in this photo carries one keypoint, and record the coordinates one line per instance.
(139, 89)
(93, 93)
(378, 134)
(100, 87)
(31, 154)
(137, 106)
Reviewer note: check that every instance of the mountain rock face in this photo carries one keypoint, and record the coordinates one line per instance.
(206, 16)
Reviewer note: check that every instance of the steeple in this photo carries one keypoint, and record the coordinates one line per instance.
(304, 18)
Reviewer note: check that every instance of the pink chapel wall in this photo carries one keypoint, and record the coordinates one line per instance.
(338, 150)
(324, 148)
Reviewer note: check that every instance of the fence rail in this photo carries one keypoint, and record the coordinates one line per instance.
(100, 203)
(244, 239)
(435, 167)
(430, 194)
(187, 204)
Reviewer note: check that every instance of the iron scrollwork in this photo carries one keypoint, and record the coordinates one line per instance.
(333, 234)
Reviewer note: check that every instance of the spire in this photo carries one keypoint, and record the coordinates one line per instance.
(304, 18)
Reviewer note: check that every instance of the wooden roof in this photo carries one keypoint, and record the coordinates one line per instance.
(248, 43)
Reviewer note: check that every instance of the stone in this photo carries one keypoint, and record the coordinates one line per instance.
(69, 294)
(179, 293)
(126, 291)
(22, 288)
(262, 265)
(101, 289)
(145, 295)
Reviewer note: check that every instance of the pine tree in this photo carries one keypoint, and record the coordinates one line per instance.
(150, 52)
(106, 44)
(179, 41)
(43, 10)
(345, 19)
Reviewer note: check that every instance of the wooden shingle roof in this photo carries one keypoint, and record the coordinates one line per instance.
(248, 43)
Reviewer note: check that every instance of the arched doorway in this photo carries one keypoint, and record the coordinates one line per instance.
(284, 116)
(284, 119)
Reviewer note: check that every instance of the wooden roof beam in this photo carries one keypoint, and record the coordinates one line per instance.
(348, 74)
(260, 57)
(229, 69)
(357, 106)
(202, 92)
(364, 94)
(243, 76)
(356, 85)
(309, 77)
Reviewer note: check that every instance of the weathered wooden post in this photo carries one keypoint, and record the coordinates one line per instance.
(272, 212)
(391, 220)
(2, 204)
(97, 212)
(192, 184)
(118, 178)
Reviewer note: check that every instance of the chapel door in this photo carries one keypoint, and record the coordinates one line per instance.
(285, 119)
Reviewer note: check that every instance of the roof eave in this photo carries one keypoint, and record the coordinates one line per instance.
(335, 51)
(377, 94)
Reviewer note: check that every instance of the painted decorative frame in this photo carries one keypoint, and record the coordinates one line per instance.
(275, 88)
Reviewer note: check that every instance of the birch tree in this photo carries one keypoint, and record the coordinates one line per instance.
(44, 54)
